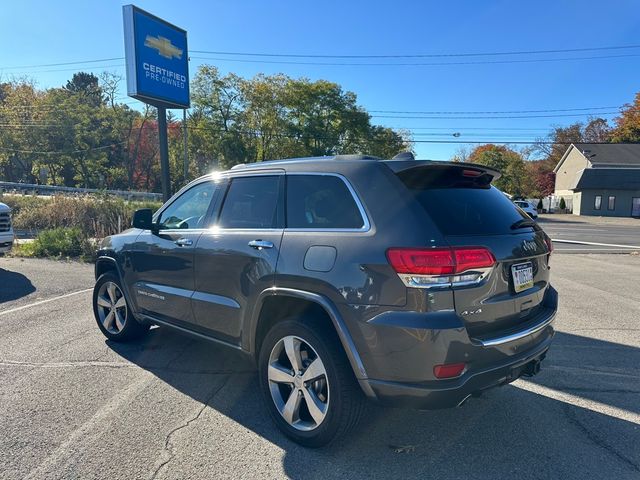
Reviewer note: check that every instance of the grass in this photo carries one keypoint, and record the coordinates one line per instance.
(58, 243)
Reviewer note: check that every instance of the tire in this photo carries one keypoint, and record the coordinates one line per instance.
(335, 390)
(117, 323)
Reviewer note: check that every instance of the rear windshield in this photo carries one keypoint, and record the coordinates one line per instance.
(465, 208)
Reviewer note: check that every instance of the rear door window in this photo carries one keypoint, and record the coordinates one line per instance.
(321, 202)
(461, 206)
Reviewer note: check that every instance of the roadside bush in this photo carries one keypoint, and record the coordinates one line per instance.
(96, 216)
(563, 205)
(58, 242)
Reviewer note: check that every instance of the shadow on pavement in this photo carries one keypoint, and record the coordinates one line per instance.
(14, 285)
(508, 432)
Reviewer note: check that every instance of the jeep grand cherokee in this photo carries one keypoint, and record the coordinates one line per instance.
(413, 283)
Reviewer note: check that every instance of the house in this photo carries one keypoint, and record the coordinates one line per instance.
(600, 179)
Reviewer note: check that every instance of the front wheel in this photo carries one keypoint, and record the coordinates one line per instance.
(307, 382)
(112, 312)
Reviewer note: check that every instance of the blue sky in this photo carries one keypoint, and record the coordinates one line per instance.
(35, 33)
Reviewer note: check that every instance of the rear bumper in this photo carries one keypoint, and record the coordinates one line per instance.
(451, 393)
(399, 350)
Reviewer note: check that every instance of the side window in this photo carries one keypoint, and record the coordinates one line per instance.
(598, 202)
(189, 209)
(320, 202)
(612, 203)
(251, 202)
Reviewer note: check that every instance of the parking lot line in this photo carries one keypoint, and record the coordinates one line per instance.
(581, 242)
(593, 405)
(34, 304)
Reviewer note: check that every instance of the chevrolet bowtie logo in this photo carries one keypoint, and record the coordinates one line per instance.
(164, 47)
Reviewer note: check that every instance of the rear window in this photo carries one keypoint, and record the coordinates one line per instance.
(461, 208)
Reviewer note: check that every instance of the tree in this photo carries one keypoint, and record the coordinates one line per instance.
(627, 125)
(563, 205)
(509, 162)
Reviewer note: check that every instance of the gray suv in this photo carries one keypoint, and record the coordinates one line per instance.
(412, 283)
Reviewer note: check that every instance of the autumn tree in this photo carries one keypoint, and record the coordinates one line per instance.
(627, 125)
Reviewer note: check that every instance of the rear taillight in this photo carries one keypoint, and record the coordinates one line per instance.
(428, 267)
(549, 243)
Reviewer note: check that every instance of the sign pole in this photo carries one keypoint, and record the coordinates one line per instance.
(186, 148)
(164, 153)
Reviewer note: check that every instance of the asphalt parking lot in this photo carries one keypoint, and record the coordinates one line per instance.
(73, 405)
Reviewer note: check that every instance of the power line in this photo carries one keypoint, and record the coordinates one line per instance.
(79, 62)
(491, 117)
(416, 112)
(61, 152)
(292, 55)
(421, 55)
(414, 64)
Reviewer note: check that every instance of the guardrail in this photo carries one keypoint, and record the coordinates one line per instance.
(35, 189)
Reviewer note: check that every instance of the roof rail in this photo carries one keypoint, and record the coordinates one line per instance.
(355, 157)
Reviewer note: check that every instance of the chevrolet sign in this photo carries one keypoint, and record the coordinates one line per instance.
(157, 60)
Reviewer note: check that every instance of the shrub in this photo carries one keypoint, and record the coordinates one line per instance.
(540, 206)
(96, 216)
(58, 242)
(563, 205)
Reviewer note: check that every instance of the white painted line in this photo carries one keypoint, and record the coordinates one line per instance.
(577, 401)
(580, 242)
(594, 250)
(34, 304)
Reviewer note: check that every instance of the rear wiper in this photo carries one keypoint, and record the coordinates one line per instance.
(523, 223)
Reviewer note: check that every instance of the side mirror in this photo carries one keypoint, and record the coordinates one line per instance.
(143, 219)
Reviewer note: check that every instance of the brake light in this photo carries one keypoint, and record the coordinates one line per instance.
(439, 261)
(441, 267)
(450, 370)
(549, 243)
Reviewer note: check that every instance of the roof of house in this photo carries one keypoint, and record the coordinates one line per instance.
(606, 154)
(608, 179)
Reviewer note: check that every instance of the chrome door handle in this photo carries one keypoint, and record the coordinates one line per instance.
(260, 244)
(184, 242)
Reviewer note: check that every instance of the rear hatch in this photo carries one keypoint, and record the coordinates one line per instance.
(470, 213)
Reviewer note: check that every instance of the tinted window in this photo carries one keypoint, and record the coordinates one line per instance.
(320, 201)
(251, 202)
(189, 210)
(461, 205)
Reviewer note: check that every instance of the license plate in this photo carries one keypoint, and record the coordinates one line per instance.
(522, 274)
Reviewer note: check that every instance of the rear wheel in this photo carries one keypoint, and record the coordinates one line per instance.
(307, 382)
(112, 312)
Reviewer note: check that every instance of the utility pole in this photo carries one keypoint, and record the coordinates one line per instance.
(186, 150)
(164, 153)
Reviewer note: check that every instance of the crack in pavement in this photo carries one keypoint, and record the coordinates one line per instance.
(168, 449)
(594, 438)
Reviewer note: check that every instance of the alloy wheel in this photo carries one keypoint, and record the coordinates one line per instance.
(298, 383)
(112, 307)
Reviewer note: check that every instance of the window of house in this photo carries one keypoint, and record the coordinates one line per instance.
(612, 203)
(598, 202)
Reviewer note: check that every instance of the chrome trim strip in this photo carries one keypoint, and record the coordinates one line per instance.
(515, 336)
